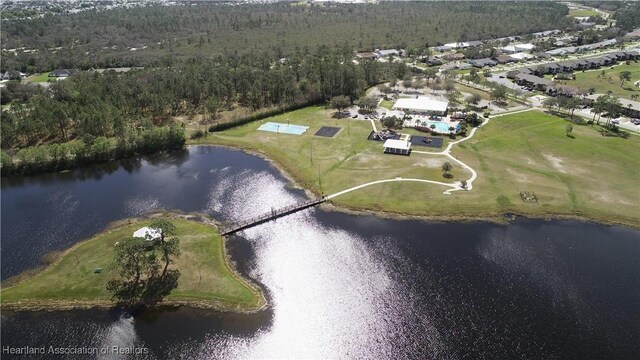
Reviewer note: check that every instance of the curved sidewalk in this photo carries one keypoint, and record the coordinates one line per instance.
(455, 186)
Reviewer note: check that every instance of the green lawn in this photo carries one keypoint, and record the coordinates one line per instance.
(332, 164)
(610, 82)
(387, 104)
(464, 88)
(583, 12)
(590, 175)
(206, 277)
(41, 77)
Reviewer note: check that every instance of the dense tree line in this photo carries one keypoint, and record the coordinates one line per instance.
(94, 117)
(162, 35)
(628, 18)
(606, 5)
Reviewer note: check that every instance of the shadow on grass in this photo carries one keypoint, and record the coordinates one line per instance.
(143, 292)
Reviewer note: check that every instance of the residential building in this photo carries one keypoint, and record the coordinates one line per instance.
(504, 59)
(521, 56)
(533, 81)
(62, 73)
(389, 52)
(480, 63)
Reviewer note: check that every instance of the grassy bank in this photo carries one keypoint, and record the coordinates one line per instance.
(329, 165)
(206, 278)
(587, 176)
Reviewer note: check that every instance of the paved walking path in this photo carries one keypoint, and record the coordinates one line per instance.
(455, 186)
(373, 124)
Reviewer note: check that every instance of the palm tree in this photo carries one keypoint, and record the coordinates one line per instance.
(600, 106)
(612, 106)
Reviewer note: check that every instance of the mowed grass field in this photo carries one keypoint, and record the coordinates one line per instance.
(41, 77)
(329, 165)
(589, 175)
(582, 13)
(610, 81)
(205, 276)
(387, 104)
(467, 89)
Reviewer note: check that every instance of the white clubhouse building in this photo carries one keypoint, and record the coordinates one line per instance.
(422, 104)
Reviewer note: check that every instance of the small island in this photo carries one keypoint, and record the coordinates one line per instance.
(79, 277)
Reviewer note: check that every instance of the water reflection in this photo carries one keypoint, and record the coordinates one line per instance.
(347, 286)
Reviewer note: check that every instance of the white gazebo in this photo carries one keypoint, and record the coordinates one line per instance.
(401, 147)
(149, 234)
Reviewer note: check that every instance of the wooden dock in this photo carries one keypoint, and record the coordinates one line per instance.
(274, 214)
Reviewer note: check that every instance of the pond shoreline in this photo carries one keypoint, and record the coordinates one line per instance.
(101, 303)
(500, 218)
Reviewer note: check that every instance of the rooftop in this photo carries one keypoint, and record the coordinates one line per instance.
(397, 144)
(422, 103)
(521, 56)
(148, 233)
(533, 79)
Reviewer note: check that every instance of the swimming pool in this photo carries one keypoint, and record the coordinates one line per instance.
(440, 126)
(283, 128)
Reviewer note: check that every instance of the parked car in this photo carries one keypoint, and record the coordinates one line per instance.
(355, 116)
(615, 121)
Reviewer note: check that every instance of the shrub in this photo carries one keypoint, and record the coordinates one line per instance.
(197, 134)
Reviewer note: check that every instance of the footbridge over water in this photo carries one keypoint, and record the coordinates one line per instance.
(273, 214)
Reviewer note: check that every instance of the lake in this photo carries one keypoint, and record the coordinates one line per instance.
(339, 285)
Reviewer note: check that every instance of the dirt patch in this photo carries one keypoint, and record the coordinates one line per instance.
(430, 163)
(555, 162)
(518, 176)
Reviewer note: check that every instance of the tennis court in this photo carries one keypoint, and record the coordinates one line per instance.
(327, 131)
(283, 128)
(429, 141)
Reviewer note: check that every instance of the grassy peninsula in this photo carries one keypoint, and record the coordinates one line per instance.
(586, 175)
(206, 279)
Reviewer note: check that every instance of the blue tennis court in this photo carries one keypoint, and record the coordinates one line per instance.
(283, 128)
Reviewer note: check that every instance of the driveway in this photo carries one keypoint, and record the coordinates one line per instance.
(496, 78)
